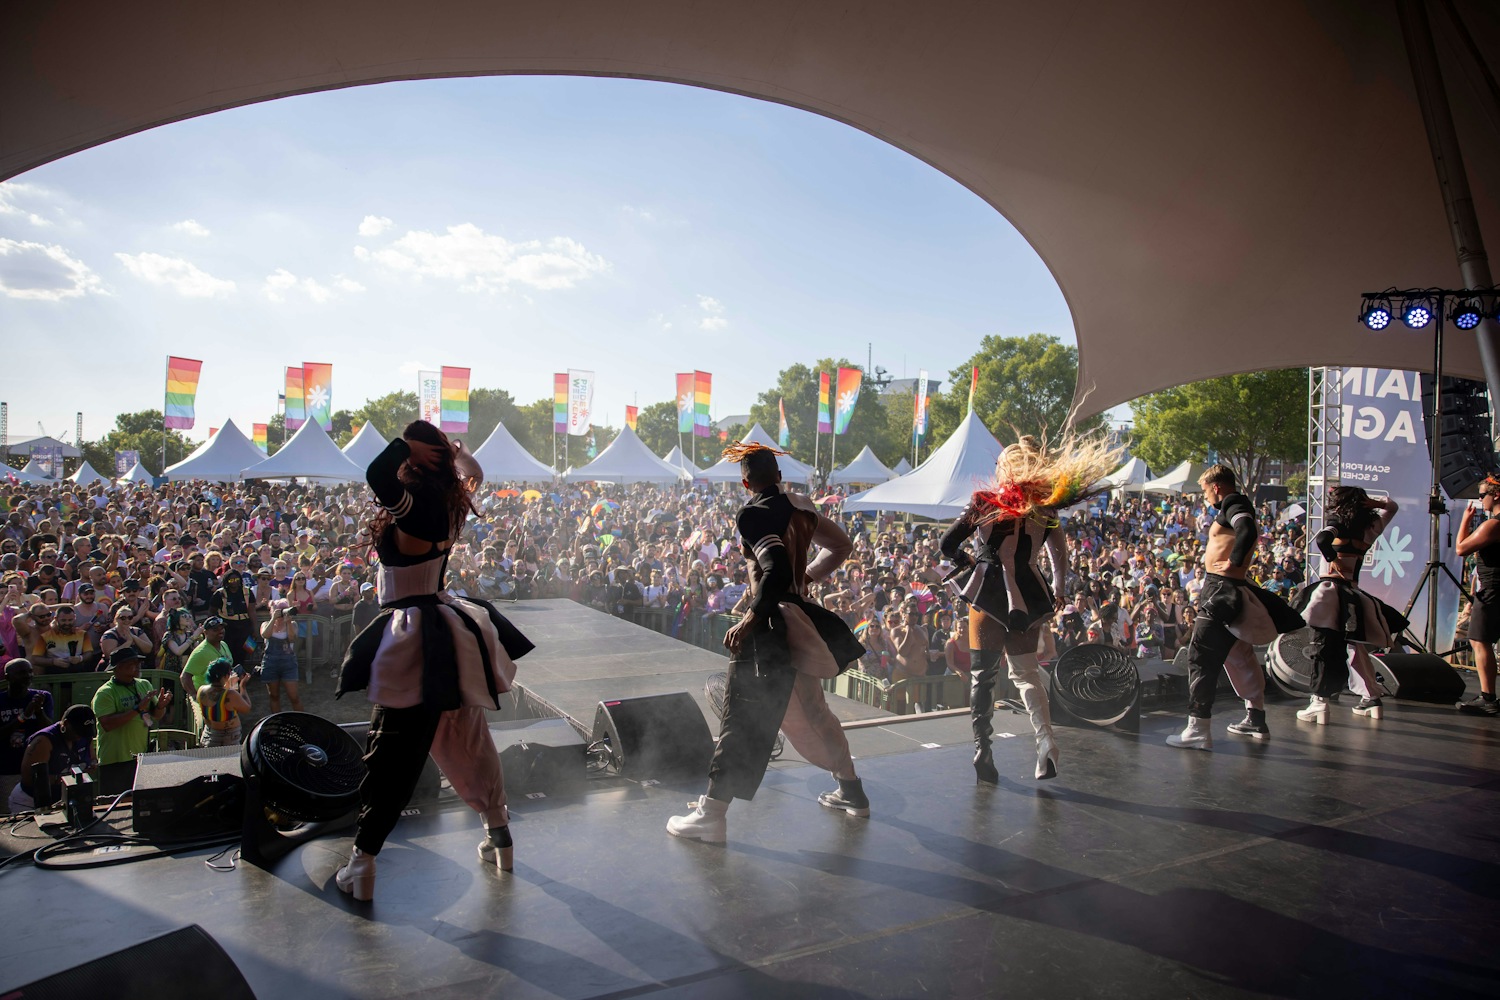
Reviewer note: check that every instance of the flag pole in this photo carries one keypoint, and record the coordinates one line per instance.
(165, 376)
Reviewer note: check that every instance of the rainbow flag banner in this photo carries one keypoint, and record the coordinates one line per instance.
(848, 395)
(684, 402)
(632, 414)
(919, 416)
(560, 403)
(702, 394)
(259, 436)
(317, 379)
(784, 435)
(296, 400)
(455, 400)
(973, 384)
(825, 422)
(182, 392)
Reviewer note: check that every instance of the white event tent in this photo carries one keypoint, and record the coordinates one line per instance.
(940, 488)
(310, 454)
(34, 470)
(865, 468)
(26, 475)
(223, 458)
(725, 471)
(627, 460)
(1130, 477)
(677, 458)
(504, 460)
(1183, 479)
(137, 474)
(364, 446)
(85, 475)
(902, 467)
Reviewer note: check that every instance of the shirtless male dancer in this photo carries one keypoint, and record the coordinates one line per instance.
(1232, 615)
(780, 652)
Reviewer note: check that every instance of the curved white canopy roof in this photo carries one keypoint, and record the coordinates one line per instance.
(865, 468)
(504, 460)
(725, 471)
(310, 454)
(627, 460)
(942, 486)
(31, 446)
(220, 459)
(365, 445)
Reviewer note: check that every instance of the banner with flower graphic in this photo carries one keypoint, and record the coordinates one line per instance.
(848, 394)
(317, 380)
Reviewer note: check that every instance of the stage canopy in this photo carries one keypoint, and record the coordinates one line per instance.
(31, 446)
(365, 445)
(725, 471)
(627, 460)
(1183, 479)
(865, 468)
(220, 459)
(310, 454)
(940, 488)
(505, 461)
(1211, 185)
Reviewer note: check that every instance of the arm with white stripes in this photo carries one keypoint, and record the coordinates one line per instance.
(384, 479)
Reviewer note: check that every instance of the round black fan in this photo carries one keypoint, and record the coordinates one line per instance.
(1096, 683)
(302, 773)
(1293, 661)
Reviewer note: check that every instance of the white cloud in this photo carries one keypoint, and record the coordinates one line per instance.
(191, 226)
(480, 261)
(281, 281)
(712, 323)
(374, 225)
(636, 212)
(714, 320)
(183, 276)
(45, 273)
(14, 192)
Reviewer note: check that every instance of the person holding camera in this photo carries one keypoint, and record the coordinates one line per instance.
(279, 670)
(220, 702)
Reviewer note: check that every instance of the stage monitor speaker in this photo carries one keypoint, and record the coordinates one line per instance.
(546, 756)
(181, 794)
(660, 736)
(1419, 677)
(151, 970)
(429, 785)
(1466, 453)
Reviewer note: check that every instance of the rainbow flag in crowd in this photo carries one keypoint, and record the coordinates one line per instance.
(317, 380)
(973, 384)
(560, 403)
(182, 392)
(260, 437)
(632, 414)
(455, 400)
(784, 434)
(825, 422)
(296, 401)
(684, 402)
(848, 395)
(702, 392)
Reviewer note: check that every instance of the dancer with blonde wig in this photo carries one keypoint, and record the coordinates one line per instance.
(1015, 518)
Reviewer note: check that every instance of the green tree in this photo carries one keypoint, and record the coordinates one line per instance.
(343, 422)
(533, 429)
(276, 434)
(488, 407)
(797, 386)
(1247, 420)
(1025, 387)
(390, 413)
(656, 426)
(140, 431)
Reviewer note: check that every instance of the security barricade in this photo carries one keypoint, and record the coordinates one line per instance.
(78, 689)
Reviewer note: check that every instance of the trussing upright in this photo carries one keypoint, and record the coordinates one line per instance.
(1325, 437)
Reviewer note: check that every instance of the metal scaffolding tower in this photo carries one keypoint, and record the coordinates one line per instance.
(1325, 439)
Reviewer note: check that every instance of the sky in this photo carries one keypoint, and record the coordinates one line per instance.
(517, 226)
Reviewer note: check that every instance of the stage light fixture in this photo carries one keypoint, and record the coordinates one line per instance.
(1376, 314)
(1416, 313)
(1467, 314)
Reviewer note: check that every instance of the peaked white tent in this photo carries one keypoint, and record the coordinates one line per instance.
(34, 470)
(86, 476)
(941, 487)
(725, 471)
(627, 460)
(902, 467)
(310, 454)
(220, 459)
(677, 458)
(865, 468)
(364, 446)
(1130, 477)
(137, 474)
(1183, 479)
(26, 475)
(505, 461)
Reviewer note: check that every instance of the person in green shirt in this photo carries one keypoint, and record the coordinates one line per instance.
(123, 705)
(195, 667)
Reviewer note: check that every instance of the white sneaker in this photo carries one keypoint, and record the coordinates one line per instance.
(1197, 736)
(706, 822)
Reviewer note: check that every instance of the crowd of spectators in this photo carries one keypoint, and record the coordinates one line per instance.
(180, 576)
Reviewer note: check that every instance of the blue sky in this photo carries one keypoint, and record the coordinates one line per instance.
(516, 226)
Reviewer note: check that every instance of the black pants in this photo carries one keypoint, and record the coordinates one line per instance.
(1333, 657)
(757, 693)
(1218, 606)
(395, 754)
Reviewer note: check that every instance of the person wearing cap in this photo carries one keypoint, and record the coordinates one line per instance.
(61, 745)
(365, 609)
(126, 706)
(213, 647)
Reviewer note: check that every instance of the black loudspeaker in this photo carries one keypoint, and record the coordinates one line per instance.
(151, 970)
(660, 736)
(1466, 453)
(1419, 677)
(540, 756)
(181, 794)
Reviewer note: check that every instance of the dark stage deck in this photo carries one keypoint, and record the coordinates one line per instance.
(1356, 859)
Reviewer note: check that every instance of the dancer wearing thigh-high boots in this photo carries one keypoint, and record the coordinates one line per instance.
(1012, 520)
(1349, 622)
(432, 662)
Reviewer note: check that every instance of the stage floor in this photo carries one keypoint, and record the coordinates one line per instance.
(1356, 859)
